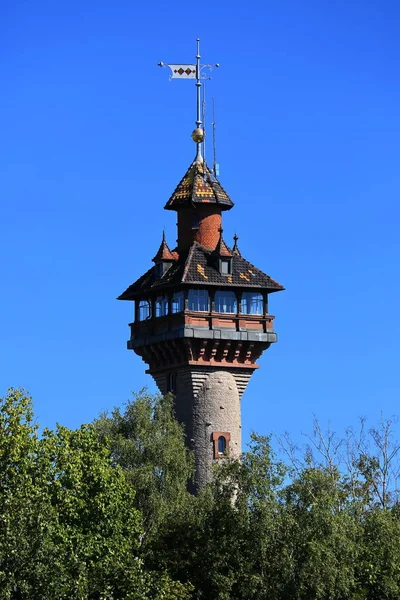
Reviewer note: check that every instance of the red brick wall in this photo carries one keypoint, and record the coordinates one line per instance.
(207, 234)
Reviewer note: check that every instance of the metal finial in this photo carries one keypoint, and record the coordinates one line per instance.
(193, 71)
(235, 248)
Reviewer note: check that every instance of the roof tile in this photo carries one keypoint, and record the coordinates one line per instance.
(201, 269)
(199, 186)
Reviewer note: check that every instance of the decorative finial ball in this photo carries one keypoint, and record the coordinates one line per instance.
(198, 135)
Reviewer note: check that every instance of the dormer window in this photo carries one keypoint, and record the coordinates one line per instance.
(158, 270)
(161, 268)
(225, 266)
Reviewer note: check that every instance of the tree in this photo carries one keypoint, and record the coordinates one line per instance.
(69, 528)
(148, 443)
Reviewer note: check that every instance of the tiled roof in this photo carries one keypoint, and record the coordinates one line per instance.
(199, 186)
(164, 253)
(222, 249)
(201, 268)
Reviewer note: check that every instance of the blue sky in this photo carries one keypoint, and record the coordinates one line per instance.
(94, 139)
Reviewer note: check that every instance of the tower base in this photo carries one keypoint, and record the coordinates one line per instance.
(207, 402)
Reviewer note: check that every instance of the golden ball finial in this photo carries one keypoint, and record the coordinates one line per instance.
(198, 135)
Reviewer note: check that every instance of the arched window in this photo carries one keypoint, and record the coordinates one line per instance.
(221, 445)
(225, 302)
(252, 303)
(199, 300)
(171, 382)
(144, 310)
(161, 306)
(221, 440)
(177, 303)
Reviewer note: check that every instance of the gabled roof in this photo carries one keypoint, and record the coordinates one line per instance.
(164, 253)
(201, 269)
(199, 186)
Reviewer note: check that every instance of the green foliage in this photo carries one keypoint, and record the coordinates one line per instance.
(264, 531)
(102, 513)
(148, 443)
(68, 526)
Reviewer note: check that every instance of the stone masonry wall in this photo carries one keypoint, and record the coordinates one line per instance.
(207, 400)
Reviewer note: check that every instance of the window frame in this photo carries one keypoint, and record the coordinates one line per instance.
(252, 303)
(223, 303)
(161, 306)
(215, 437)
(171, 382)
(180, 296)
(228, 263)
(201, 294)
(195, 221)
(141, 305)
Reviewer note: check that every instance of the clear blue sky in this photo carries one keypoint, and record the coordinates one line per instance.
(94, 139)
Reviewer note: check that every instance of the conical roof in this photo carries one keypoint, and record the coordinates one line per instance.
(199, 186)
(164, 253)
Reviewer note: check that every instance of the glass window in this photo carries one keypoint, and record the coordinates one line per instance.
(158, 270)
(225, 302)
(221, 445)
(225, 266)
(171, 383)
(198, 300)
(161, 306)
(252, 303)
(144, 310)
(161, 268)
(177, 302)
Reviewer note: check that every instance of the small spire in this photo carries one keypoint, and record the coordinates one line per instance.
(235, 249)
(164, 253)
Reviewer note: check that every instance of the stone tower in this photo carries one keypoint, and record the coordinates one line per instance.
(202, 320)
(201, 313)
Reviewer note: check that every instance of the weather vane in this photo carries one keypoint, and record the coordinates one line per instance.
(193, 71)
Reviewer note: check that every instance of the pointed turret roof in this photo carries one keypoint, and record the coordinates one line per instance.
(164, 253)
(222, 249)
(199, 186)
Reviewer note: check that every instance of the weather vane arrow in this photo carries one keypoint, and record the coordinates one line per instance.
(200, 73)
